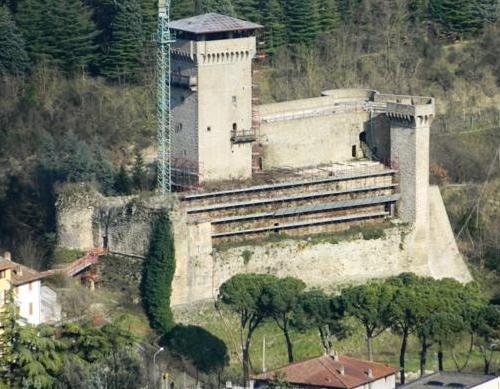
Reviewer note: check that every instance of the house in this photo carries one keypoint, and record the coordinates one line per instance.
(452, 380)
(27, 286)
(332, 371)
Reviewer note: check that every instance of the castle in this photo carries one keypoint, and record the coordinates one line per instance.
(266, 187)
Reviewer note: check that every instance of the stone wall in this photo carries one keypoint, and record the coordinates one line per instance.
(312, 140)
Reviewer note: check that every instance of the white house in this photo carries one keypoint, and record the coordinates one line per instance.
(27, 286)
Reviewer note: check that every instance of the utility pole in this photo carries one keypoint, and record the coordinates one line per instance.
(264, 354)
(163, 98)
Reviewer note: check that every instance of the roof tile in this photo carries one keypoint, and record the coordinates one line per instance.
(212, 23)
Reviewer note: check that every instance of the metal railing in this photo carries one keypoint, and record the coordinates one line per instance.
(243, 136)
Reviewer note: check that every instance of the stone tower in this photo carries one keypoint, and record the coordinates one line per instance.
(211, 77)
(410, 135)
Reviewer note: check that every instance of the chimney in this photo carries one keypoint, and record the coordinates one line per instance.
(7, 255)
(369, 373)
(19, 271)
(342, 370)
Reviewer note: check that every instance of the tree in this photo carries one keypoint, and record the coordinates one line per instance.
(30, 17)
(273, 21)
(248, 9)
(457, 18)
(328, 16)
(317, 310)
(243, 294)
(402, 311)
(282, 298)
(157, 275)
(302, 21)
(207, 353)
(138, 172)
(183, 8)
(122, 59)
(75, 36)
(224, 7)
(13, 57)
(370, 304)
(29, 356)
(122, 184)
(487, 329)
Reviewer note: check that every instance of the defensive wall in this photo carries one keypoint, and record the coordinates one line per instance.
(343, 197)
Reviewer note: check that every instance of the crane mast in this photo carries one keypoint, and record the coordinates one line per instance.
(163, 98)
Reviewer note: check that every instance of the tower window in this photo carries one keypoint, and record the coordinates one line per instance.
(209, 128)
(354, 151)
(178, 127)
(235, 127)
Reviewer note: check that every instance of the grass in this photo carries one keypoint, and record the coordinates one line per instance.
(367, 232)
(306, 345)
(64, 256)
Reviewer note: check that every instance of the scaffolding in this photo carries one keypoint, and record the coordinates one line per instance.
(163, 98)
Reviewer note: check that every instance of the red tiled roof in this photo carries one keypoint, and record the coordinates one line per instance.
(23, 275)
(326, 372)
(5, 264)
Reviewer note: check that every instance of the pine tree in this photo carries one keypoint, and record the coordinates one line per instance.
(302, 21)
(157, 276)
(138, 173)
(248, 10)
(273, 21)
(13, 57)
(122, 60)
(183, 9)
(122, 184)
(456, 18)
(328, 16)
(224, 7)
(32, 17)
(76, 36)
(149, 19)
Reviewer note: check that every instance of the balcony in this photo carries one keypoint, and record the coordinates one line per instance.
(190, 82)
(243, 136)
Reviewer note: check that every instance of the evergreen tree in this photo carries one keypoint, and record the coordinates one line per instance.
(149, 19)
(32, 18)
(224, 7)
(13, 57)
(302, 21)
(273, 21)
(29, 356)
(157, 275)
(122, 184)
(182, 9)
(248, 10)
(456, 18)
(328, 16)
(139, 178)
(76, 35)
(122, 60)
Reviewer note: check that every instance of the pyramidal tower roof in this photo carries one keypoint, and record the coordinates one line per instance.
(212, 23)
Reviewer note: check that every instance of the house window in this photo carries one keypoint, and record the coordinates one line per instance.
(31, 309)
(2, 274)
